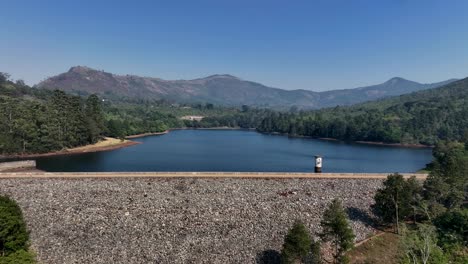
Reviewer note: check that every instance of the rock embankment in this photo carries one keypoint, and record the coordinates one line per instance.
(157, 220)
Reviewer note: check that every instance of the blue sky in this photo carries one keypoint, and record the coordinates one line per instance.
(315, 45)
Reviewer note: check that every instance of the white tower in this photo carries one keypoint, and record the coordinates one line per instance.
(318, 164)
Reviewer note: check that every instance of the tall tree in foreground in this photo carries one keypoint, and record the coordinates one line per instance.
(394, 201)
(95, 118)
(336, 229)
(296, 244)
(446, 188)
(414, 189)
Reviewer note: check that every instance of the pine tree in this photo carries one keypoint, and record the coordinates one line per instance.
(95, 118)
(296, 244)
(336, 229)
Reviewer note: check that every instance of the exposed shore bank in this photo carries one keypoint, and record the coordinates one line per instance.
(147, 134)
(104, 145)
(225, 128)
(394, 144)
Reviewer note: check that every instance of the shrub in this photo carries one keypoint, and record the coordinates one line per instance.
(19, 257)
(13, 233)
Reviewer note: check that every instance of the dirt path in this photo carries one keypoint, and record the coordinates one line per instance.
(265, 175)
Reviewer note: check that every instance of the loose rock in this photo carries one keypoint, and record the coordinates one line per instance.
(177, 220)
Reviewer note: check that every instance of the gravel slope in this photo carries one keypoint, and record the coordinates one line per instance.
(175, 220)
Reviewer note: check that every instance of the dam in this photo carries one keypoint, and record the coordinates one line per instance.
(179, 217)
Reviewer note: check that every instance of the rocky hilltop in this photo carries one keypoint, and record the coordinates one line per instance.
(157, 220)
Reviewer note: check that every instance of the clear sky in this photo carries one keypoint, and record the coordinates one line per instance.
(315, 45)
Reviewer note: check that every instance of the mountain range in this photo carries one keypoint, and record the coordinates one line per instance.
(222, 89)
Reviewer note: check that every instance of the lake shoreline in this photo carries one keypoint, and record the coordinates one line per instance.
(401, 145)
(360, 142)
(105, 145)
(147, 134)
(394, 144)
(94, 148)
(127, 143)
(186, 128)
(213, 128)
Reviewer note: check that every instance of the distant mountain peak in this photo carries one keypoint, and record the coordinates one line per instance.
(223, 76)
(397, 80)
(221, 89)
(81, 69)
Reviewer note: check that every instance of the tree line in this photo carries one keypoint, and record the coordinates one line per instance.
(51, 121)
(430, 218)
(424, 117)
(39, 120)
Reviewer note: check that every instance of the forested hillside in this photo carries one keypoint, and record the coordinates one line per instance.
(133, 117)
(38, 120)
(422, 117)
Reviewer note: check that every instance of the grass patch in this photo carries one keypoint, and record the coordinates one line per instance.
(383, 249)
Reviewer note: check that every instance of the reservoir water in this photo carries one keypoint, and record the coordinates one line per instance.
(243, 151)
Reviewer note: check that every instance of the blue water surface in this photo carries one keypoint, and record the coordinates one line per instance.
(243, 151)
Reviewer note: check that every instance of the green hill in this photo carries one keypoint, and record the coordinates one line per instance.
(40, 120)
(422, 117)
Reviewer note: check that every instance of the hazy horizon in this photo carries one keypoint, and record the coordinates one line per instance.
(314, 46)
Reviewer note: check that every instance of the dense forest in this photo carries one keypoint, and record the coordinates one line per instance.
(131, 117)
(40, 120)
(423, 117)
(432, 217)
(36, 121)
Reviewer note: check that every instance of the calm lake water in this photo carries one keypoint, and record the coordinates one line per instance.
(237, 150)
